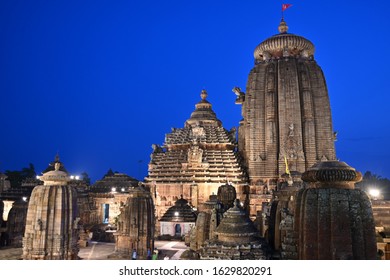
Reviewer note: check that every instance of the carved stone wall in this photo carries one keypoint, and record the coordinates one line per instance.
(286, 113)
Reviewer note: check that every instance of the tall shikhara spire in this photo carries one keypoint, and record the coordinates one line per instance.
(286, 110)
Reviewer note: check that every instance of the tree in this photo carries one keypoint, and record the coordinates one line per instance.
(17, 177)
(371, 180)
(85, 178)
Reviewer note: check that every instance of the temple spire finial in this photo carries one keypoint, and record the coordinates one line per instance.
(203, 94)
(283, 27)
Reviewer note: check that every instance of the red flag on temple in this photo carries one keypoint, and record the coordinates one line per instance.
(286, 6)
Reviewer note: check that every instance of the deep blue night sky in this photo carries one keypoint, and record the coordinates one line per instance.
(101, 81)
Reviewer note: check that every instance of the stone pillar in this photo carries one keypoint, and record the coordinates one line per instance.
(336, 220)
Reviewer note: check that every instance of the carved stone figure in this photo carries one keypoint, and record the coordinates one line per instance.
(291, 130)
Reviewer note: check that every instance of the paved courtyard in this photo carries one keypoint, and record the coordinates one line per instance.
(101, 251)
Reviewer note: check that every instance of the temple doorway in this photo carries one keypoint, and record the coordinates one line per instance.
(106, 212)
(177, 230)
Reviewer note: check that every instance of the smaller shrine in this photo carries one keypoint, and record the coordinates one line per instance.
(135, 234)
(178, 220)
(236, 238)
(52, 219)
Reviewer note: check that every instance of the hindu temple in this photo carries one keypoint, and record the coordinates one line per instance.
(271, 189)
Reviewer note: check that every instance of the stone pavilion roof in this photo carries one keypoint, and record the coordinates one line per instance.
(236, 225)
(115, 180)
(180, 212)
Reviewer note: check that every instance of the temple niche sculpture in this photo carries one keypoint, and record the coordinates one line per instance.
(286, 112)
(135, 226)
(194, 161)
(49, 234)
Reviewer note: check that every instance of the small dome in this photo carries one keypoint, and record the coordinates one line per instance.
(236, 226)
(284, 44)
(180, 212)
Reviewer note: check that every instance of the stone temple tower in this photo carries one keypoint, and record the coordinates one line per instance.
(52, 223)
(135, 225)
(286, 110)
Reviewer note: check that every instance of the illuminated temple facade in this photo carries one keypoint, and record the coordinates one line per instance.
(194, 161)
(271, 189)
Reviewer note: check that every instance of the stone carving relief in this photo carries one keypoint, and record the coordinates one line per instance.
(240, 95)
(286, 52)
(76, 223)
(305, 54)
(157, 148)
(195, 155)
(291, 130)
(40, 225)
(233, 133)
(291, 148)
(266, 56)
(198, 132)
